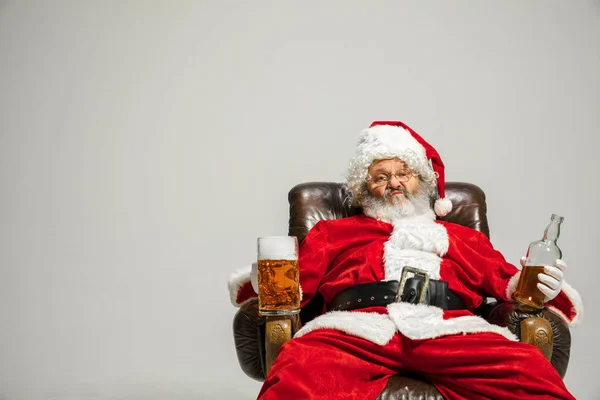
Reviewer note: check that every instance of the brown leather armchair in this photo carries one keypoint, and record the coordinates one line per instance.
(312, 202)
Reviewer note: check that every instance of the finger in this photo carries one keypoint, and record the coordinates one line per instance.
(554, 272)
(546, 291)
(549, 281)
(523, 260)
(560, 264)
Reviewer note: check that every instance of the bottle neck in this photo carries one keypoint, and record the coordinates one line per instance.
(552, 231)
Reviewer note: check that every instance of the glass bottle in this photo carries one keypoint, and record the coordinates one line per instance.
(539, 254)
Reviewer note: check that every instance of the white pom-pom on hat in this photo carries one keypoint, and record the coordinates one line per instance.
(442, 207)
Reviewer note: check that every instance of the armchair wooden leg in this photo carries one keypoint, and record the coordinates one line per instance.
(538, 332)
(278, 330)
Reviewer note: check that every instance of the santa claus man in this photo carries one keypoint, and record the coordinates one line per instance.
(370, 333)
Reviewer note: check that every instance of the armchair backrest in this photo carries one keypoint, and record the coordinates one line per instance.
(315, 201)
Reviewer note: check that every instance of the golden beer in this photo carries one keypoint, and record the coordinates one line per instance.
(278, 286)
(527, 292)
(278, 276)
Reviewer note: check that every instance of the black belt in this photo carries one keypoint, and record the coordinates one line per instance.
(385, 292)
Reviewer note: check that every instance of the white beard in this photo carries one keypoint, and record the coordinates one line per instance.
(389, 209)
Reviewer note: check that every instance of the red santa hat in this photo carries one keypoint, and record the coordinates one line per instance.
(394, 139)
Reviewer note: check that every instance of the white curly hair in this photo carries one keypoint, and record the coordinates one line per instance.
(382, 142)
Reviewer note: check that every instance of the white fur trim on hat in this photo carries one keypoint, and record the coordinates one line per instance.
(384, 142)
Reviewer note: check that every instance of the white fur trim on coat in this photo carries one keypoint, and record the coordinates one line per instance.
(575, 298)
(414, 321)
(377, 328)
(395, 260)
(512, 285)
(418, 321)
(254, 276)
(236, 280)
(417, 242)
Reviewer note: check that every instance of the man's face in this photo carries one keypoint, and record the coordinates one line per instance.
(392, 180)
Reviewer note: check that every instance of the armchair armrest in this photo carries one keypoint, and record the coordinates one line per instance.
(534, 328)
(258, 338)
(249, 339)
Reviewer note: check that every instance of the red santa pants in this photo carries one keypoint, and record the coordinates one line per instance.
(328, 364)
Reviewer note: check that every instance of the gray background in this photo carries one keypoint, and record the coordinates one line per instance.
(144, 146)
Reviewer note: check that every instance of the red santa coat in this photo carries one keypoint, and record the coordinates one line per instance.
(341, 253)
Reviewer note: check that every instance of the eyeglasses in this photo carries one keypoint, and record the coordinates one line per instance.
(384, 179)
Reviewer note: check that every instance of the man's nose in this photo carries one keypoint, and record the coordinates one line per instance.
(394, 182)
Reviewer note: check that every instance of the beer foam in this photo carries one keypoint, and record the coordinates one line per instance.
(277, 248)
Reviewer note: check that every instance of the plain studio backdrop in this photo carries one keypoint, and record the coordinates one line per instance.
(144, 146)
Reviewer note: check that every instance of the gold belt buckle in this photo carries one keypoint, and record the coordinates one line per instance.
(404, 276)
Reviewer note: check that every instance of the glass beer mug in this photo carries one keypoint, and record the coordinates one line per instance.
(278, 276)
(539, 254)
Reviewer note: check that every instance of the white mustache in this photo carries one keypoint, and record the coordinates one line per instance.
(388, 192)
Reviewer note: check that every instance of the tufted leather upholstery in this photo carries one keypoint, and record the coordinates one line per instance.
(312, 202)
